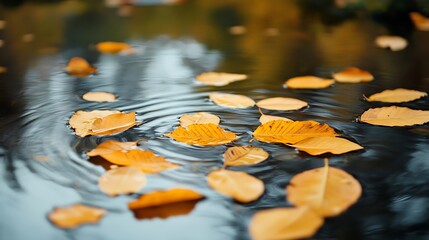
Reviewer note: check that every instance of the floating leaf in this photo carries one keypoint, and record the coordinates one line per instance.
(247, 155)
(79, 67)
(112, 47)
(394, 116)
(399, 95)
(202, 134)
(238, 185)
(353, 75)
(281, 103)
(327, 190)
(420, 22)
(75, 215)
(111, 146)
(219, 78)
(394, 43)
(99, 97)
(321, 145)
(280, 131)
(266, 118)
(122, 180)
(200, 118)
(231, 100)
(285, 223)
(308, 82)
(237, 30)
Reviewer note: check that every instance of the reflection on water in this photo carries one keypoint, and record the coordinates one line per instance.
(43, 164)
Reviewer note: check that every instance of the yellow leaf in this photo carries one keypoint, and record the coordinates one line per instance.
(353, 75)
(231, 100)
(82, 121)
(420, 22)
(247, 155)
(394, 43)
(79, 67)
(280, 131)
(237, 185)
(75, 215)
(321, 145)
(111, 146)
(200, 118)
(112, 47)
(266, 118)
(219, 78)
(285, 223)
(308, 82)
(99, 97)
(122, 180)
(327, 190)
(396, 96)
(202, 134)
(112, 124)
(394, 116)
(281, 103)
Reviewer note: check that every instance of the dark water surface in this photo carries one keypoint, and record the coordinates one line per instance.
(43, 164)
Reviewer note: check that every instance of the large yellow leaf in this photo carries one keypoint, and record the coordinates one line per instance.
(202, 134)
(321, 145)
(200, 118)
(79, 67)
(291, 132)
(308, 82)
(285, 223)
(122, 180)
(247, 155)
(238, 185)
(327, 190)
(353, 75)
(99, 97)
(281, 103)
(394, 116)
(112, 47)
(219, 78)
(396, 96)
(112, 124)
(394, 43)
(75, 215)
(231, 100)
(111, 146)
(420, 22)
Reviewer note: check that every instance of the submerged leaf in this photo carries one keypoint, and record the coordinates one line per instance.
(394, 116)
(308, 82)
(112, 47)
(353, 75)
(200, 118)
(394, 43)
(399, 95)
(111, 146)
(420, 21)
(247, 155)
(231, 100)
(122, 180)
(321, 145)
(202, 134)
(79, 67)
(219, 78)
(281, 103)
(99, 97)
(75, 215)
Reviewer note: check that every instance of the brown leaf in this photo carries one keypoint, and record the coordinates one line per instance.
(219, 78)
(394, 43)
(353, 75)
(200, 118)
(75, 215)
(398, 95)
(247, 155)
(238, 185)
(321, 145)
(112, 47)
(99, 97)
(202, 134)
(420, 22)
(122, 180)
(79, 67)
(394, 116)
(231, 100)
(281, 103)
(308, 82)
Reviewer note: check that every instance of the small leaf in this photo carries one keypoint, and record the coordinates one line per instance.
(79, 67)
(237, 185)
(200, 118)
(394, 116)
(122, 180)
(219, 78)
(394, 43)
(420, 22)
(266, 118)
(75, 215)
(82, 121)
(353, 75)
(280, 103)
(247, 155)
(99, 97)
(202, 134)
(308, 82)
(111, 146)
(327, 190)
(321, 145)
(231, 100)
(399, 95)
(112, 124)
(285, 223)
(112, 47)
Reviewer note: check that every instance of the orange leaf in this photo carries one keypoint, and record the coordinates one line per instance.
(202, 134)
(420, 22)
(247, 155)
(394, 116)
(82, 121)
(112, 124)
(219, 78)
(281, 103)
(112, 47)
(122, 180)
(266, 118)
(75, 215)
(200, 118)
(79, 67)
(308, 82)
(111, 146)
(394, 43)
(321, 145)
(353, 75)
(99, 97)
(398, 95)
(231, 100)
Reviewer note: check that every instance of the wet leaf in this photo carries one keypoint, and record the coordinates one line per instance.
(75, 215)
(321, 145)
(79, 67)
(111, 146)
(247, 155)
(219, 78)
(112, 47)
(202, 134)
(281, 103)
(285, 223)
(353, 75)
(308, 82)
(200, 118)
(238, 185)
(280, 131)
(99, 97)
(237, 30)
(394, 116)
(266, 118)
(394, 43)
(420, 22)
(327, 190)
(231, 100)
(122, 180)
(399, 95)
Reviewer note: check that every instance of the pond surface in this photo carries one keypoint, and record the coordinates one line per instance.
(43, 163)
